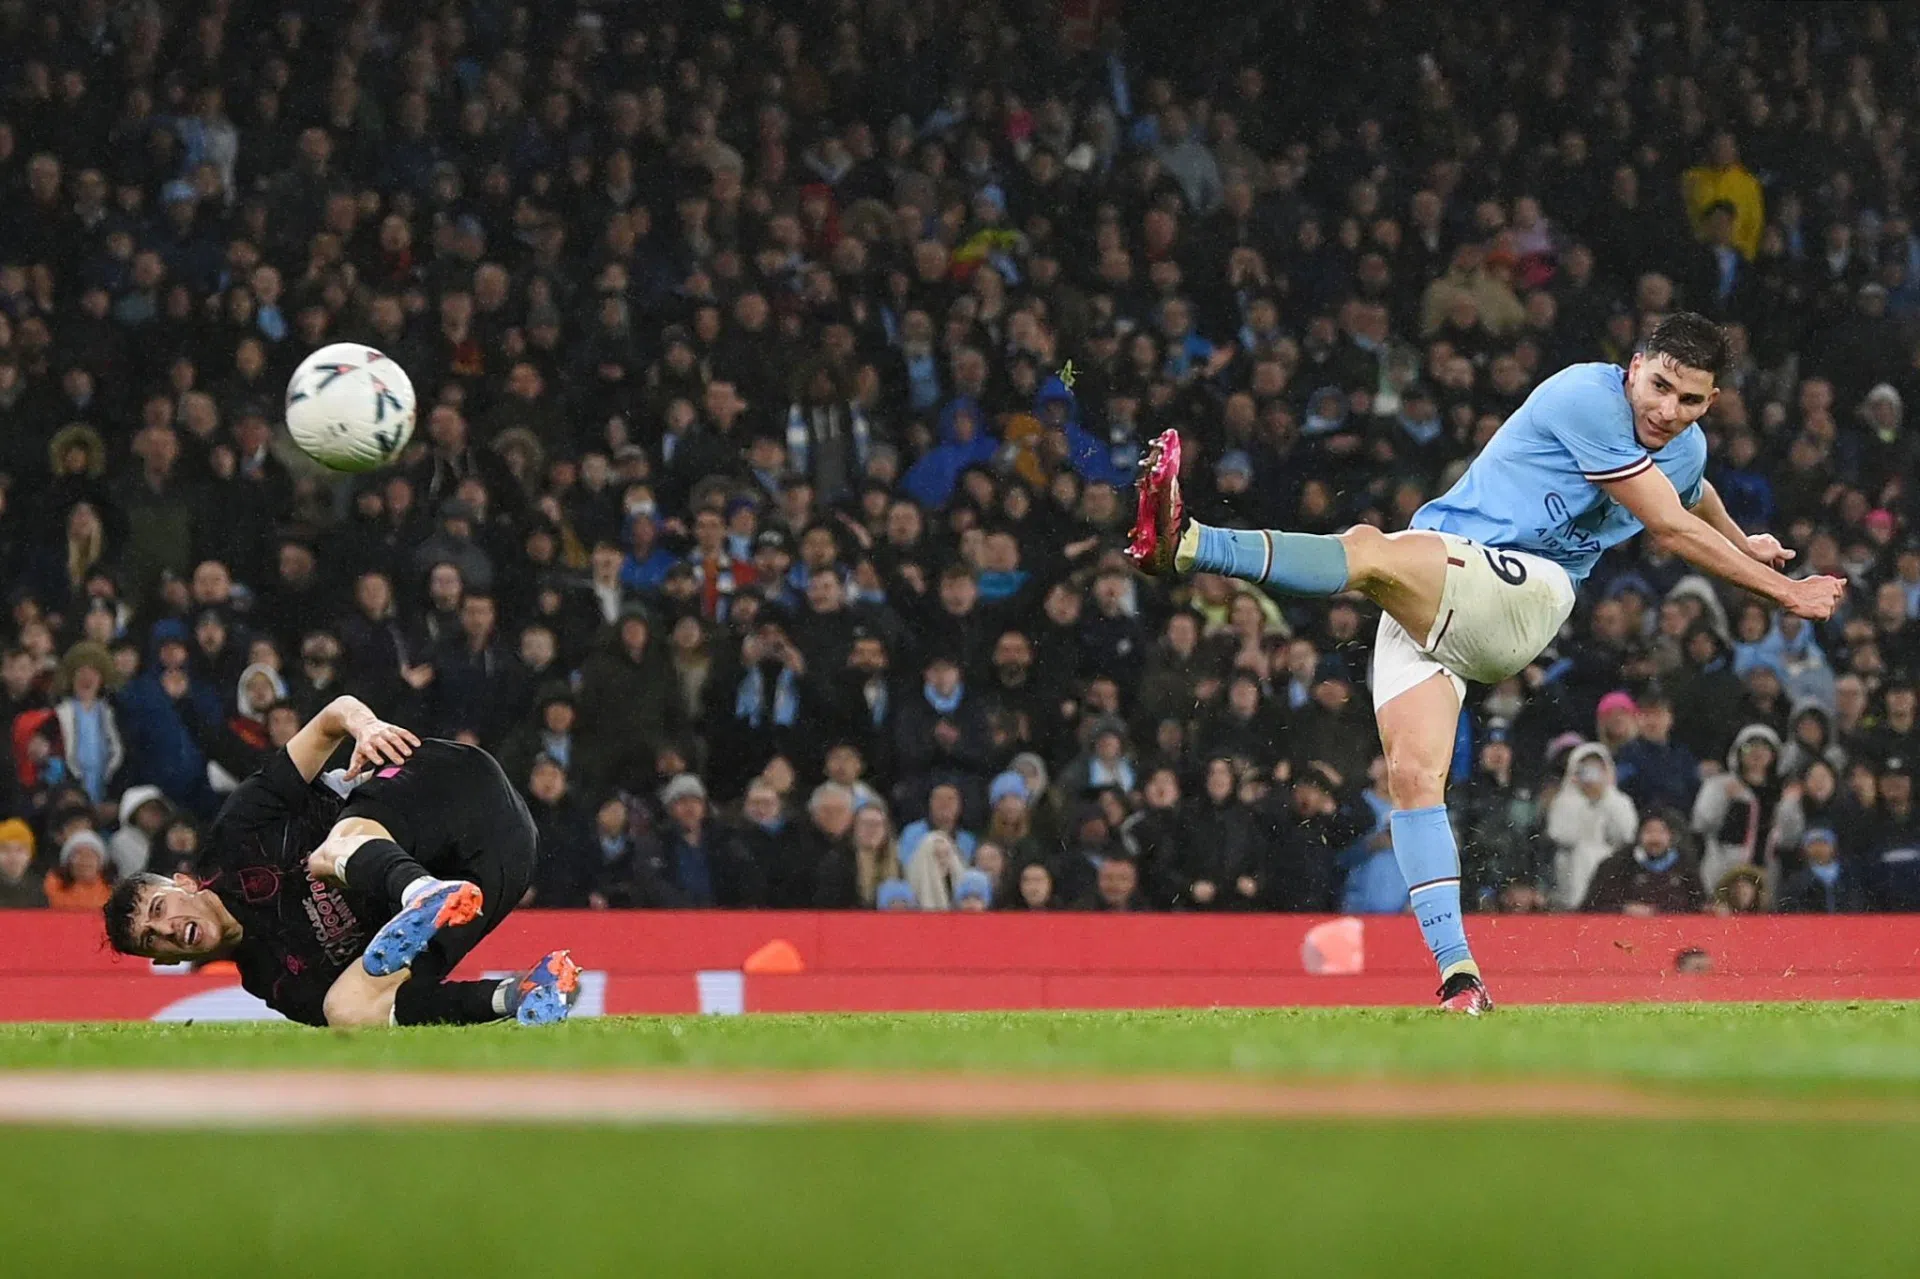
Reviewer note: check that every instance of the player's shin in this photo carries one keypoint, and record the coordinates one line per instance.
(1297, 563)
(383, 870)
(1424, 847)
(449, 1003)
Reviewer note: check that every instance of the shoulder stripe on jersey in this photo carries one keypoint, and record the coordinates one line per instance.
(1626, 472)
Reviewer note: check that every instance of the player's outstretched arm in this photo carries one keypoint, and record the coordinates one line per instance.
(1764, 547)
(1650, 496)
(375, 741)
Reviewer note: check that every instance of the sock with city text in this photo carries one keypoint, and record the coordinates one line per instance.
(1423, 845)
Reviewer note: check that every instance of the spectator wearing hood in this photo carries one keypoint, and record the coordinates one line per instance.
(144, 810)
(1589, 820)
(1810, 736)
(1734, 810)
(962, 440)
(1886, 447)
(1825, 883)
(89, 728)
(80, 881)
(1707, 695)
(934, 870)
(236, 744)
(1654, 877)
(20, 888)
(1805, 673)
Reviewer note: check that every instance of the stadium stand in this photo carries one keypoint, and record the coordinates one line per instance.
(782, 372)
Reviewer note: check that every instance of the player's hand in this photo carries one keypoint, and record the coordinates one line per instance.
(380, 743)
(1766, 548)
(1813, 598)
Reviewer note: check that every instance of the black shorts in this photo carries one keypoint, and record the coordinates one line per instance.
(454, 811)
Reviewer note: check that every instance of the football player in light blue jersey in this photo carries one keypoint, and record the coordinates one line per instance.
(1484, 579)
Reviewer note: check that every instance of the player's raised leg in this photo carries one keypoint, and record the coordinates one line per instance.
(1404, 573)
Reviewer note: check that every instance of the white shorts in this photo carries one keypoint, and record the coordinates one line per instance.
(1498, 610)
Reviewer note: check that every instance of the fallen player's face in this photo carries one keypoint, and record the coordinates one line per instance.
(1666, 398)
(176, 924)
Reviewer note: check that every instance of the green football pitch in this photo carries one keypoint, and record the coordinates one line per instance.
(1776, 1140)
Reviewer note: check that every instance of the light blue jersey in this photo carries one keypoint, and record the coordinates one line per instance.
(1536, 485)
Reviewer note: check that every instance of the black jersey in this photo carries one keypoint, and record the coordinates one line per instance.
(449, 806)
(300, 933)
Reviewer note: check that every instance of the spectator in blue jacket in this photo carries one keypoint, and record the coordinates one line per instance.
(160, 746)
(964, 441)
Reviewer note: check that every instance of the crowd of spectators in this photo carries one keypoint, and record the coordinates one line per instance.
(782, 370)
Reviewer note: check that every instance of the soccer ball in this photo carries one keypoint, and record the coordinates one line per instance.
(349, 407)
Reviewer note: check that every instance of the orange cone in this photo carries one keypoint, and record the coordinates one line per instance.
(778, 957)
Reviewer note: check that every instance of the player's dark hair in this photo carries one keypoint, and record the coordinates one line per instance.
(121, 903)
(1692, 341)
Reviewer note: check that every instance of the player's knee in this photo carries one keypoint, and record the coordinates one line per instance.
(1416, 778)
(353, 1008)
(1367, 549)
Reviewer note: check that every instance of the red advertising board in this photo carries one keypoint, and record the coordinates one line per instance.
(54, 967)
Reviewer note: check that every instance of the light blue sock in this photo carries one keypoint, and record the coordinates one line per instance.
(1297, 563)
(1423, 846)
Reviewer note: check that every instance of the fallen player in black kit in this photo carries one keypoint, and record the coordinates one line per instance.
(346, 900)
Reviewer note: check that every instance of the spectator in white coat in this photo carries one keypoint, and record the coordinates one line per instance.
(1589, 821)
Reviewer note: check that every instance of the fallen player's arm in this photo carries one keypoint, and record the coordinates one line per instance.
(375, 741)
(1651, 497)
